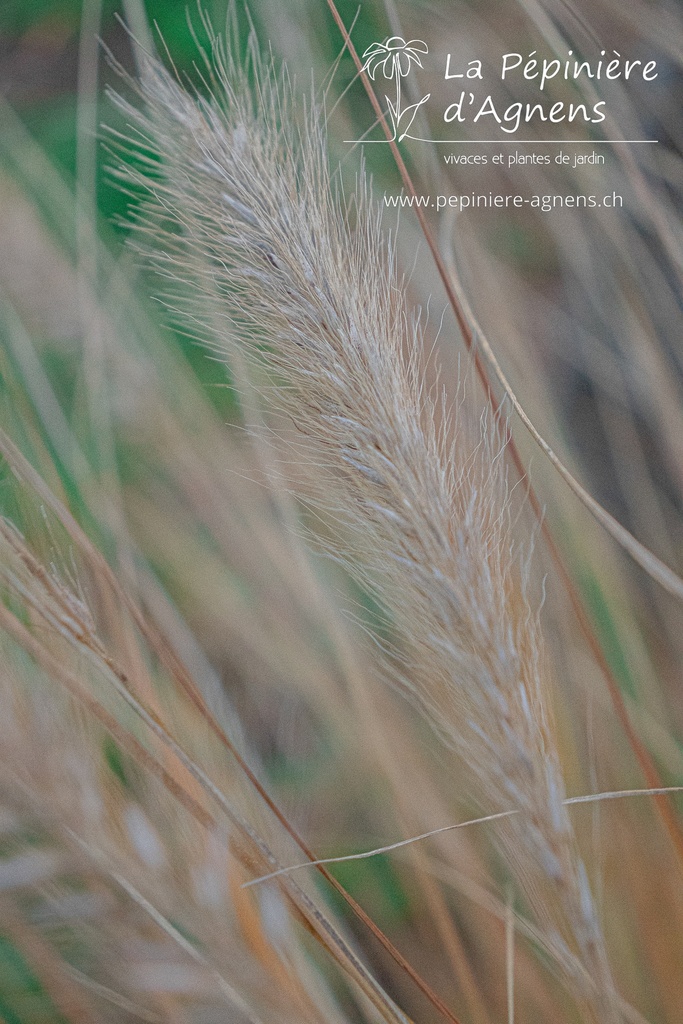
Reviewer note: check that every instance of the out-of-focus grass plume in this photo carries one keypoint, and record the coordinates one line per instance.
(194, 694)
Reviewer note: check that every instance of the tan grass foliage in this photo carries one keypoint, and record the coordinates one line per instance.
(170, 635)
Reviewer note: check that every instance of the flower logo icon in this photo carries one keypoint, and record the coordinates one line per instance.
(395, 57)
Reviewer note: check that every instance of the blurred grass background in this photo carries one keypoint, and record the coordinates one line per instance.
(130, 423)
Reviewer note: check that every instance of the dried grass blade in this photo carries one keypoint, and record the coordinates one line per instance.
(401, 843)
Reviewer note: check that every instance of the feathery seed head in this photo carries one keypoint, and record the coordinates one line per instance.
(243, 217)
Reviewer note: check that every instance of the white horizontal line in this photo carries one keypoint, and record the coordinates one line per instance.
(560, 142)
(509, 141)
(519, 142)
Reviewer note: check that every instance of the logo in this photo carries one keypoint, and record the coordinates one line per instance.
(394, 58)
(392, 61)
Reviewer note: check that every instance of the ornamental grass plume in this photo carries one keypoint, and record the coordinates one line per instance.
(263, 256)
